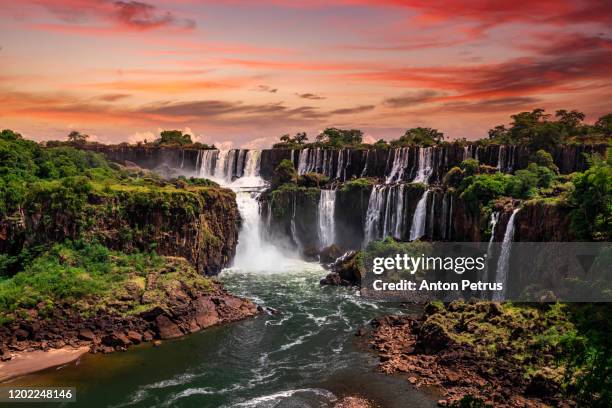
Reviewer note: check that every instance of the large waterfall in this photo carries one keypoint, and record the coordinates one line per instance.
(326, 218)
(503, 263)
(238, 170)
(419, 220)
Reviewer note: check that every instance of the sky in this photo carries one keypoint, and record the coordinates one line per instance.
(241, 73)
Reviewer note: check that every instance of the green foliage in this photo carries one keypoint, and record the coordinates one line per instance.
(604, 125)
(173, 138)
(544, 159)
(419, 136)
(313, 180)
(588, 355)
(284, 173)
(524, 183)
(337, 138)
(470, 167)
(482, 188)
(538, 130)
(77, 138)
(453, 177)
(363, 184)
(24, 163)
(288, 142)
(68, 272)
(592, 199)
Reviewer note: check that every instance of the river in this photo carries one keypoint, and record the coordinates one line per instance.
(307, 355)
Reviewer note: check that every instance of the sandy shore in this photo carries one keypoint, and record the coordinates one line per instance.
(30, 362)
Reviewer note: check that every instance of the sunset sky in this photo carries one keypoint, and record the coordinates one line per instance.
(242, 73)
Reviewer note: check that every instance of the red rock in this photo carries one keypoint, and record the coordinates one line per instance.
(206, 312)
(86, 334)
(167, 328)
(134, 337)
(116, 339)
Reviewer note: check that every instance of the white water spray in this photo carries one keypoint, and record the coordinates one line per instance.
(417, 230)
(503, 263)
(326, 215)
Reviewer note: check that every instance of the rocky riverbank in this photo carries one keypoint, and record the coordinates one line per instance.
(169, 302)
(497, 355)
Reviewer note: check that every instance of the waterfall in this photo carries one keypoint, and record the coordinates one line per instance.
(417, 230)
(492, 223)
(326, 216)
(449, 234)
(501, 155)
(364, 172)
(432, 217)
(205, 163)
(373, 214)
(401, 157)
(398, 230)
(425, 169)
(444, 215)
(466, 152)
(503, 263)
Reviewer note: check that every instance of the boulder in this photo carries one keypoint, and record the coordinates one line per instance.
(167, 328)
(116, 339)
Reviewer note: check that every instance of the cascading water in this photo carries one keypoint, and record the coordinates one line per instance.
(373, 214)
(425, 168)
(492, 223)
(400, 163)
(385, 214)
(432, 217)
(326, 218)
(238, 170)
(503, 263)
(419, 220)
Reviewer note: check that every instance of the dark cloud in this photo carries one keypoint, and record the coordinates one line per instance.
(492, 105)
(309, 96)
(145, 16)
(411, 99)
(132, 14)
(356, 109)
(265, 88)
(216, 109)
(112, 97)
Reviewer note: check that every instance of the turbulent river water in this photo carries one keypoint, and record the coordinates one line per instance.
(305, 356)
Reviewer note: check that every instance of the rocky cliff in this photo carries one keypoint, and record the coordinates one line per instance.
(400, 164)
(197, 223)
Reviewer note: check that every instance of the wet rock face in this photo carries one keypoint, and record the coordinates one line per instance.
(345, 271)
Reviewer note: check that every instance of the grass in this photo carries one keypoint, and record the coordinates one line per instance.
(91, 277)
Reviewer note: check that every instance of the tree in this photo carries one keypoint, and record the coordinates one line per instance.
(284, 173)
(300, 137)
(419, 136)
(544, 159)
(571, 120)
(174, 137)
(340, 137)
(76, 137)
(604, 124)
(592, 201)
(498, 132)
(285, 138)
